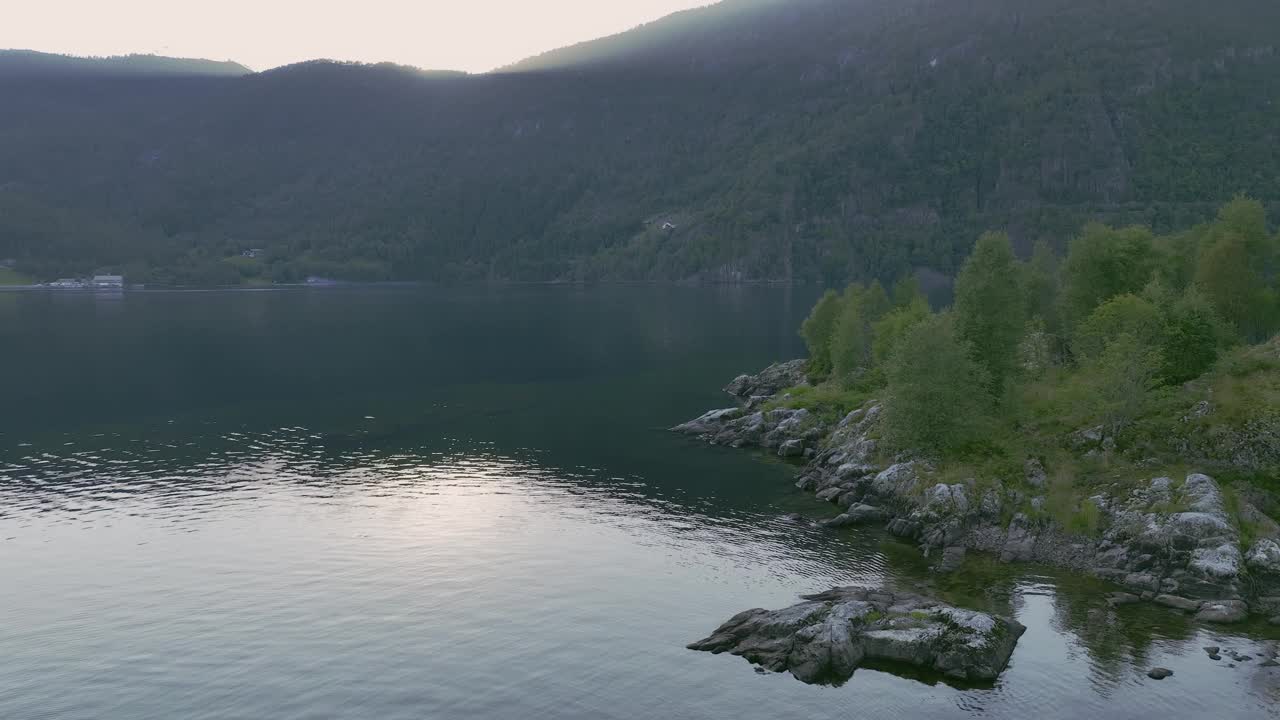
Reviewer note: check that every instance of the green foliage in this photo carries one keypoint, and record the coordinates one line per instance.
(1226, 274)
(938, 397)
(906, 291)
(1102, 263)
(889, 330)
(1121, 379)
(990, 306)
(1123, 314)
(1246, 383)
(830, 401)
(1175, 256)
(1192, 335)
(817, 330)
(851, 342)
(1040, 285)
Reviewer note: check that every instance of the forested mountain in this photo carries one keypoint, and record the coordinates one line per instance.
(30, 63)
(755, 139)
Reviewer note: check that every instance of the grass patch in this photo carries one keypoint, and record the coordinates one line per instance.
(830, 401)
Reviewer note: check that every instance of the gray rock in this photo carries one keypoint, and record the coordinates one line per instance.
(770, 381)
(1035, 475)
(1212, 649)
(830, 494)
(826, 638)
(903, 528)
(1122, 598)
(1142, 581)
(1159, 673)
(709, 423)
(1223, 611)
(857, 515)
(1199, 410)
(1264, 556)
(791, 448)
(1177, 603)
(947, 500)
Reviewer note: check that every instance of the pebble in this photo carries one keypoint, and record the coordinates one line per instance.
(1159, 673)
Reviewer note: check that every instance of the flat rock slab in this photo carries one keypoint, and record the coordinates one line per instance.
(826, 637)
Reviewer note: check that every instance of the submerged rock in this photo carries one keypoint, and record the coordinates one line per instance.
(1177, 603)
(952, 559)
(826, 638)
(1159, 673)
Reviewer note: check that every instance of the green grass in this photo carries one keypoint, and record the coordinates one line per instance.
(10, 277)
(830, 401)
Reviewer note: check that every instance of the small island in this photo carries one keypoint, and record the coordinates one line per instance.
(825, 638)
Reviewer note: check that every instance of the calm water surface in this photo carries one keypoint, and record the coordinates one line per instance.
(426, 503)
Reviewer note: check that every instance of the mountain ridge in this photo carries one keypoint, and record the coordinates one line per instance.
(808, 141)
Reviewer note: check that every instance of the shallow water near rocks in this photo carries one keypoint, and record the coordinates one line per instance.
(423, 502)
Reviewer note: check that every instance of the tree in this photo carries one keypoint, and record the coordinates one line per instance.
(816, 331)
(1102, 263)
(1122, 314)
(1192, 336)
(887, 332)
(1121, 379)
(906, 290)
(1040, 285)
(1226, 275)
(990, 310)
(851, 339)
(937, 393)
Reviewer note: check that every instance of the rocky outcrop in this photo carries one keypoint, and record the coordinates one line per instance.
(792, 433)
(826, 638)
(1172, 539)
(768, 382)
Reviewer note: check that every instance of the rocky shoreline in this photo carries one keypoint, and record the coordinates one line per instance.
(1166, 540)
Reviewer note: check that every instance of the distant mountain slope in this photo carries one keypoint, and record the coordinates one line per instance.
(30, 62)
(756, 139)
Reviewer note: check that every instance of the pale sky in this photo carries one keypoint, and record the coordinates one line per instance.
(472, 35)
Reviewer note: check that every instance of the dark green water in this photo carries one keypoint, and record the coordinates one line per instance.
(426, 503)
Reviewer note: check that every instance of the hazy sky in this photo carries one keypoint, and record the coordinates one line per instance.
(474, 35)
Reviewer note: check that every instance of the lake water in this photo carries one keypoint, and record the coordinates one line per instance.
(426, 503)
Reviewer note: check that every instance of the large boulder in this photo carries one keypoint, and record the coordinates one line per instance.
(826, 637)
(770, 381)
(1263, 563)
(710, 422)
